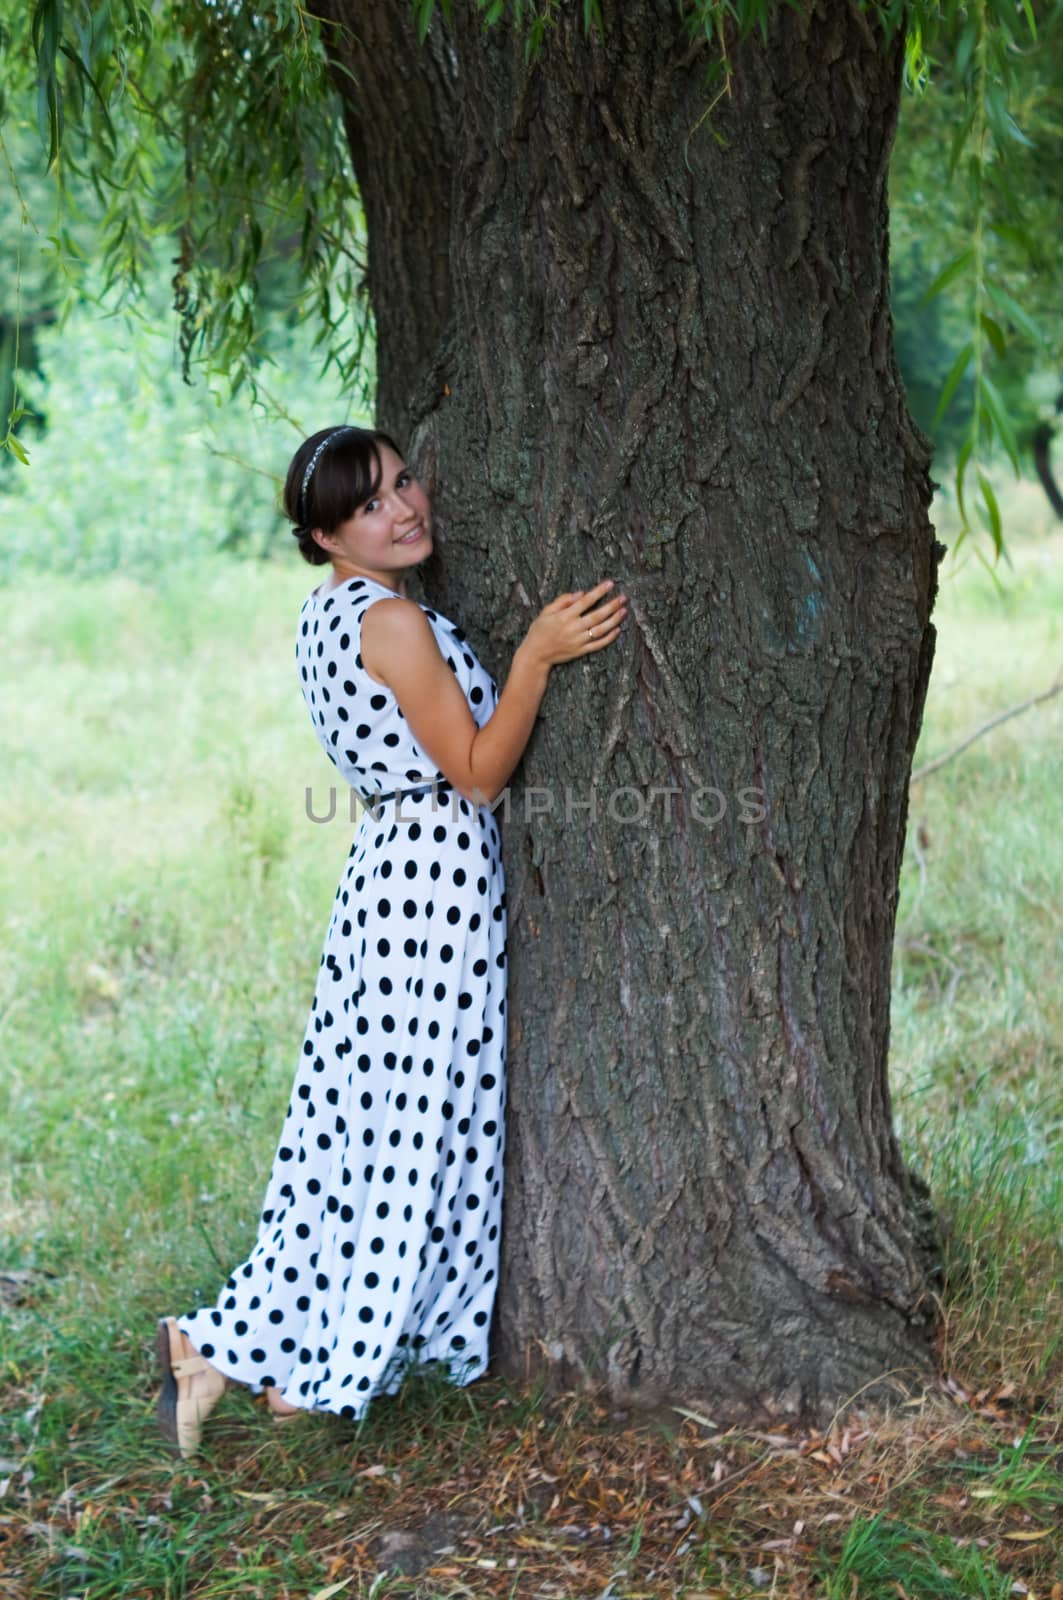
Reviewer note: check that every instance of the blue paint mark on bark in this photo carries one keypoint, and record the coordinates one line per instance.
(813, 603)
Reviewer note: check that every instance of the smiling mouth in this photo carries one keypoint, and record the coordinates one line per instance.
(412, 538)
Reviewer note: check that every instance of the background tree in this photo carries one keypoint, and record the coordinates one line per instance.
(972, 242)
(627, 322)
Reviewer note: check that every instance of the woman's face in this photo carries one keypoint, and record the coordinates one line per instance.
(377, 536)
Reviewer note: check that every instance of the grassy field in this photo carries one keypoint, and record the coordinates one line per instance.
(164, 906)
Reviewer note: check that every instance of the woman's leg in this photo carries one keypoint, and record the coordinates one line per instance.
(191, 1387)
(279, 1407)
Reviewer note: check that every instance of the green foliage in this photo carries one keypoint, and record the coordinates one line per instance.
(996, 167)
(932, 223)
(927, 334)
(38, 290)
(133, 471)
(219, 125)
(216, 125)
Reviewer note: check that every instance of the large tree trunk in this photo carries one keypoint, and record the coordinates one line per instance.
(666, 357)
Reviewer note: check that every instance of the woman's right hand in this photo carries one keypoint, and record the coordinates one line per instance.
(576, 624)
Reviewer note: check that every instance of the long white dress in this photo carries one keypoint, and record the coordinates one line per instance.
(379, 1237)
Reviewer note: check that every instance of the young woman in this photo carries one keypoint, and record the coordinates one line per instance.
(379, 1235)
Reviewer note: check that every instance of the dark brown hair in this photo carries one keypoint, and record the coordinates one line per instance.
(347, 474)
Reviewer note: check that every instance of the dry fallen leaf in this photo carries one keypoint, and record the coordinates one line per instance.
(1029, 1538)
(696, 1416)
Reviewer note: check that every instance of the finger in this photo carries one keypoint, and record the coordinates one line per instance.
(608, 608)
(596, 608)
(599, 589)
(606, 638)
(598, 629)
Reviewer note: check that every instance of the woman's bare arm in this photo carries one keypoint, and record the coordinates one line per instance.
(399, 646)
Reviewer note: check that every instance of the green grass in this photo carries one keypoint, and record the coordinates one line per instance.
(163, 911)
(977, 1010)
(1020, 1479)
(881, 1558)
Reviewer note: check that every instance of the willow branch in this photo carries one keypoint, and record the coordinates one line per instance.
(1001, 716)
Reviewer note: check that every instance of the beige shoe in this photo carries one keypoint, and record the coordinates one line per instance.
(191, 1388)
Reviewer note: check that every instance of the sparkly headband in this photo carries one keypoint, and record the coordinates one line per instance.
(308, 474)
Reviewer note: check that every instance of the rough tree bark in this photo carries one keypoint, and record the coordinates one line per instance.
(616, 345)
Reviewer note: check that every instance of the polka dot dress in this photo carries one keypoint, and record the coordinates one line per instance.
(379, 1236)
